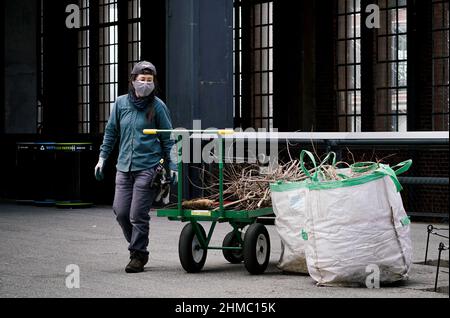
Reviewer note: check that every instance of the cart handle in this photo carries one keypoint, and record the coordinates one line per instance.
(221, 132)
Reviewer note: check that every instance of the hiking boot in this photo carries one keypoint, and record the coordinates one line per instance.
(137, 263)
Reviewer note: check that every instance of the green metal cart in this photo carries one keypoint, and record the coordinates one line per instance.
(253, 247)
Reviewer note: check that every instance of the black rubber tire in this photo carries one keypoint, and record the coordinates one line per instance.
(256, 249)
(190, 262)
(234, 257)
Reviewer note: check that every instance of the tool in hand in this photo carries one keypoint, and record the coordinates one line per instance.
(161, 182)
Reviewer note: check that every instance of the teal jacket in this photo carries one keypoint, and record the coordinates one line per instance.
(137, 151)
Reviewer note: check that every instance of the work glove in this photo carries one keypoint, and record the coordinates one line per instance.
(164, 194)
(174, 177)
(99, 169)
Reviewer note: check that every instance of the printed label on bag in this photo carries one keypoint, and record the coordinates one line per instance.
(296, 202)
(200, 213)
(405, 221)
(304, 235)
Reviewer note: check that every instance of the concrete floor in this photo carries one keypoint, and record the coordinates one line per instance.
(36, 245)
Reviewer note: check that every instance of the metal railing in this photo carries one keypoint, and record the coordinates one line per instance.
(431, 230)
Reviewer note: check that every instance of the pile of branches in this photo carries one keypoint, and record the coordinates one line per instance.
(247, 186)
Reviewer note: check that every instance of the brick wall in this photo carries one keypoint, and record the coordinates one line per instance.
(426, 163)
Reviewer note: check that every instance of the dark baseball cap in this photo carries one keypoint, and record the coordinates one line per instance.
(141, 66)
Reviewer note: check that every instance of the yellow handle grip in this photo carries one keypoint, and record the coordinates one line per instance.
(225, 132)
(219, 132)
(150, 131)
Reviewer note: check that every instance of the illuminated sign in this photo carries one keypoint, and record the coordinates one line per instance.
(54, 147)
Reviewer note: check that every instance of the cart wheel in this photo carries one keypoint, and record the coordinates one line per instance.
(192, 255)
(233, 256)
(256, 249)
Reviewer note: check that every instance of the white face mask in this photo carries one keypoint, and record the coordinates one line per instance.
(143, 89)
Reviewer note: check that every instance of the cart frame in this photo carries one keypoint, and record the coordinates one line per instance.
(257, 238)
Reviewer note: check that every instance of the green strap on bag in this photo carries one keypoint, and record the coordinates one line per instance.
(403, 167)
(393, 173)
(302, 164)
(331, 154)
(363, 167)
(314, 177)
(360, 167)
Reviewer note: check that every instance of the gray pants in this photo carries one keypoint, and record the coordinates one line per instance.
(132, 202)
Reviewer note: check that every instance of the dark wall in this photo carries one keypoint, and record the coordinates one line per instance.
(215, 53)
(325, 96)
(198, 75)
(2, 68)
(199, 62)
(420, 66)
(154, 38)
(60, 76)
(304, 66)
(21, 69)
(21, 39)
(289, 58)
(20, 72)
(18, 92)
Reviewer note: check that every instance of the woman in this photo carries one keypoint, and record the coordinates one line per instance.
(139, 155)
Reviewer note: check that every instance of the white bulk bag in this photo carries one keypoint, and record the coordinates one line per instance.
(356, 229)
(289, 209)
(289, 204)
